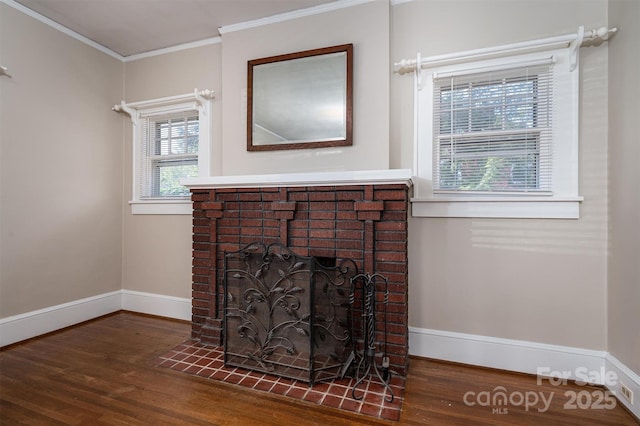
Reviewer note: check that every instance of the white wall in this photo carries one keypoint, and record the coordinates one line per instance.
(61, 168)
(534, 280)
(624, 201)
(367, 27)
(157, 248)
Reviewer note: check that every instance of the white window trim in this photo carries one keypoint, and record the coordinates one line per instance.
(199, 101)
(564, 203)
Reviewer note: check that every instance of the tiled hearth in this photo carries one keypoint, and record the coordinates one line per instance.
(206, 361)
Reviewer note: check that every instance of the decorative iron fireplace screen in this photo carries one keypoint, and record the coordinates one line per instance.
(287, 315)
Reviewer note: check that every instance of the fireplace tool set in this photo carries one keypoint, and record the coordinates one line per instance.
(367, 365)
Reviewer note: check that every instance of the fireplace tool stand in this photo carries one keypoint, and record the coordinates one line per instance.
(367, 365)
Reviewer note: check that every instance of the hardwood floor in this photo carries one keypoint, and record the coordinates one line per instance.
(102, 372)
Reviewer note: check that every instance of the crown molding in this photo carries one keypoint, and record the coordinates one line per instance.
(314, 10)
(172, 49)
(62, 29)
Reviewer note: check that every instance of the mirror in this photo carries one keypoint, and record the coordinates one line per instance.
(300, 100)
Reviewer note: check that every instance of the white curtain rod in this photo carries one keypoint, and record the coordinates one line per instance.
(198, 95)
(589, 38)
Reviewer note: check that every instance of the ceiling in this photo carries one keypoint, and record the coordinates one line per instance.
(130, 27)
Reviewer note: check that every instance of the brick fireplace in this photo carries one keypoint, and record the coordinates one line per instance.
(332, 216)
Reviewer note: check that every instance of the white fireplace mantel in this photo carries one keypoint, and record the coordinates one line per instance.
(342, 178)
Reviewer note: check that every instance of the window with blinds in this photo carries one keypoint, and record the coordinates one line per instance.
(492, 131)
(496, 136)
(169, 153)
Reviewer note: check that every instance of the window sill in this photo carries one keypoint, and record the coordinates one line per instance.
(180, 206)
(499, 208)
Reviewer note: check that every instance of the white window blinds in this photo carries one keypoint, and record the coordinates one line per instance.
(169, 152)
(492, 130)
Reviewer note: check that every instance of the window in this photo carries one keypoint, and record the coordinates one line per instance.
(492, 131)
(169, 152)
(498, 138)
(171, 141)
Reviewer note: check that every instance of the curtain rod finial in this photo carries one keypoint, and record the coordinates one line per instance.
(4, 71)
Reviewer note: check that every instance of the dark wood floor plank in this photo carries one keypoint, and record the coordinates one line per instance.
(102, 373)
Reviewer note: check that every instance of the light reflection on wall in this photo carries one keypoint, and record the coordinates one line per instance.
(587, 235)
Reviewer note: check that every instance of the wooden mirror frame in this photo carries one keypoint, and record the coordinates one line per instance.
(347, 140)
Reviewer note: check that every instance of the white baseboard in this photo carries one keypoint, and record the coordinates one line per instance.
(505, 354)
(624, 375)
(528, 357)
(31, 324)
(157, 304)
